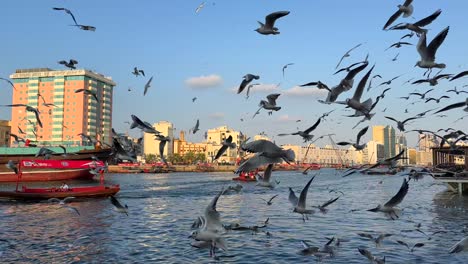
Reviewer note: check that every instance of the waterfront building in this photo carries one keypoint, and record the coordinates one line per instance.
(412, 153)
(373, 152)
(5, 130)
(327, 155)
(151, 145)
(181, 146)
(259, 137)
(216, 136)
(71, 113)
(385, 135)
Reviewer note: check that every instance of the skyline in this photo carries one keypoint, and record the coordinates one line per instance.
(177, 54)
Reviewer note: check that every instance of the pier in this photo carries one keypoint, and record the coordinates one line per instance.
(451, 167)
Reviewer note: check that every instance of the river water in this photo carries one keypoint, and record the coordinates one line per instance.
(162, 208)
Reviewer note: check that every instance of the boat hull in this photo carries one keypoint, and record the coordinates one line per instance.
(47, 193)
(101, 154)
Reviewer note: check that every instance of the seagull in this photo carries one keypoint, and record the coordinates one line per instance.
(248, 89)
(401, 124)
(456, 91)
(460, 75)
(409, 35)
(211, 227)
(118, 205)
(370, 82)
(319, 85)
(12, 166)
(194, 99)
(300, 206)
(371, 257)
(266, 152)
(323, 208)
(70, 64)
(62, 203)
(434, 80)
(8, 81)
(307, 249)
(418, 26)
(66, 11)
(396, 57)
(44, 152)
(20, 131)
(247, 79)
(345, 84)
(437, 100)
(406, 9)
(137, 72)
(269, 26)
(199, 7)
(84, 27)
(30, 109)
(427, 52)
(382, 95)
(462, 245)
(347, 54)
(144, 126)
(269, 202)
(347, 69)
(147, 85)
(195, 128)
(391, 162)
(398, 44)
(306, 133)
(270, 104)
(390, 81)
(423, 95)
(453, 106)
(88, 92)
(356, 145)
(265, 180)
(377, 240)
(227, 143)
(162, 143)
(286, 66)
(17, 138)
(389, 207)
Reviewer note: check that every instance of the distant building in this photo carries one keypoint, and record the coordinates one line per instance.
(386, 137)
(325, 155)
(378, 134)
(214, 139)
(181, 146)
(424, 158)
(373, 152)
(5, 130)
(401, 139)
(259, 137)
(412, 155)
(405, 158)
(71, 113)
(151, 145)
(426, 142)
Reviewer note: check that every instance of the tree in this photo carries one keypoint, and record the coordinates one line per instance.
(200, 157)
(151, 158)
(189, 157)
(175, 158)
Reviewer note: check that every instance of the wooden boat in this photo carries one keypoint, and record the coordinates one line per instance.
(25, 193)
(52, 170)
(47, 193)
(86, 154)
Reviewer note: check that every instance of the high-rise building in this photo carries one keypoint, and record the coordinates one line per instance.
(412, 155)
(389, 142)
(373, 152)
(426, 142)
(151, 145)
(63, 112)
(401, 139)
(5, 129)
(378, 134)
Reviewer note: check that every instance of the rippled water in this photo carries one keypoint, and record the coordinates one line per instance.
(162, 208)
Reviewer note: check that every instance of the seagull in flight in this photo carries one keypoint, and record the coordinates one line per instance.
(137, 72)
(347, 54)
(62, 203)
(118, 205)
(286, 66)
(227, 143)
(66, 11)
(306, 133)
(401, 124)
(319, 85)
(356, 145)
(147, 86)
(88, 92)
(428, 52)
(406, 10)
(300, 204)
(417, 27)
(453, 106)
(200, 7)
(247, 79)
(269, 26)
(30, 109)
(389, 207)
(11, 84)
(269, 202)
(70, 64)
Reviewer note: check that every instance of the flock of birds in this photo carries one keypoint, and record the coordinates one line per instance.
(210, 232)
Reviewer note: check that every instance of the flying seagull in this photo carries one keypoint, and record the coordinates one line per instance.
(401, 124)
(147, 86)
(269, 26)
(398, 44)
(377, 240)
(266, 181)
(6, 80)
(417, 27)
(199, 7)
(437, 100)
(195, 128)
(118, 205)
(453, 106)
(270, 103)
(286, 66)
(269, 202)
(12, 166)
(306, 133)
(428, 52)
(88, 92)
(300, 206)
(247, 79)
(162, 143)
(266, 152)
(319, 85)
(422, 95)
(347, 69)
(30, 109)
(62, 203)
(345, 85)
(87, 28)
(227, 143)
(366, 253)
(347, 54)
(70, 64)
(137, 72)
(456, 91)
(390, 81)
(389, 207)
(434, 80)
(356, 145)
(406, 9)
(460, 75)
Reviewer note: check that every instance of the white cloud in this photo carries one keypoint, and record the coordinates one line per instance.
(203, 82)
(298, 91)
(216, 115)
(286, 118)
(262, 88)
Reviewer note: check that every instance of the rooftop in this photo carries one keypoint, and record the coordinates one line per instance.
(47, 72)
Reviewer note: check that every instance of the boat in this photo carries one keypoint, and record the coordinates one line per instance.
(247, 176)
(51, 170)
(85, 154)
(25, 193)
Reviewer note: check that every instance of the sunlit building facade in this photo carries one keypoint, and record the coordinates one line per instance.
(5, 129)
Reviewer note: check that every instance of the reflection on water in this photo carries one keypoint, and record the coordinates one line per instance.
(162, 208)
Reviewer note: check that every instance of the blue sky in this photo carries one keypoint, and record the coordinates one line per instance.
(173, 44)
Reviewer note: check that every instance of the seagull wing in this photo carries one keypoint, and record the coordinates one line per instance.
(36, 112)
(436, 42)
(362, 84)
(312, 128)
(409, 119)
(392, 19)
(427, 20)
(452, 106)
(53, 200)
(398, 198)
(267, 173)
(303, 196)
(272, 98)
(352, 73)
(344, 143)
(330, 202)
(421, 47)
(274, 196)
(256, 161)
(366, 253)
(403, 243)
(461, 74)
(292, 197)
(162, 144)
(271, 18)
(12, 85)
(391, 118)
(221, 151)
(261, 146)
(361, 133)
(309, 84)
(67, 199)
(243, 85)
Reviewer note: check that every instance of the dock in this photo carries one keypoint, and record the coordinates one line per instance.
(451, 167)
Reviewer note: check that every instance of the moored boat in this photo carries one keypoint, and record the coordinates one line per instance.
(246, 176)
(46, 193)
(85, 154)
(51, 170)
